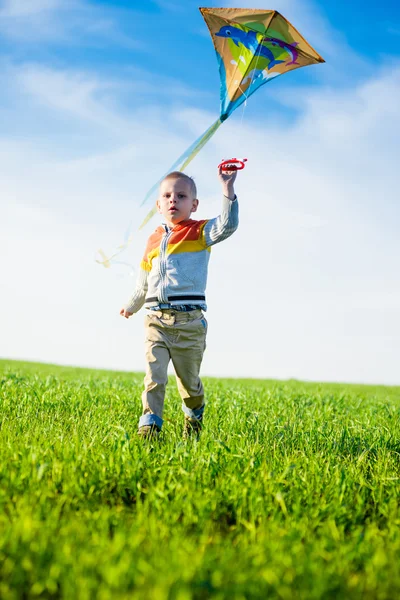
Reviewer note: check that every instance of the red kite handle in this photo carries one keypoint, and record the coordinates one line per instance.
(234, 164)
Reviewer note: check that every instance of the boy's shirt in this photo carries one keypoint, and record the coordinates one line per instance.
(175, 263)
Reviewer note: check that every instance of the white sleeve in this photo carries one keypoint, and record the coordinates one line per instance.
(138, 297)
(218, 229)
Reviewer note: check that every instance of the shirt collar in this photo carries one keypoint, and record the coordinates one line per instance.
(178, 225)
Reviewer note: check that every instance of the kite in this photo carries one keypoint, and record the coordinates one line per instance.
(253, 46)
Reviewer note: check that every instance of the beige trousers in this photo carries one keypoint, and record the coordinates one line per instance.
(180, 337)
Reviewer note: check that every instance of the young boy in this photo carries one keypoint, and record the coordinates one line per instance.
(171, 285)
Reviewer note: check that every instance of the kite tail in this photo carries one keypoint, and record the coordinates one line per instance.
(178, 165)
(182, 163)
(199, 143)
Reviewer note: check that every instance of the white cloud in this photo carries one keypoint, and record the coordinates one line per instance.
(77, 93)
(76, 22)
(89, 95)
(22, 8)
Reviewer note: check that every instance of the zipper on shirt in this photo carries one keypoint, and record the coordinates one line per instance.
(163, 265)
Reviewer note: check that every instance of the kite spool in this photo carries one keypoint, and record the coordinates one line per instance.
(234, 164)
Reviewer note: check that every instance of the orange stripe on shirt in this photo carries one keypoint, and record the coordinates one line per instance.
(153, 242)
(188, 231)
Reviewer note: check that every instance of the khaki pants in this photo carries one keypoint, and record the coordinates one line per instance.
(180, 337)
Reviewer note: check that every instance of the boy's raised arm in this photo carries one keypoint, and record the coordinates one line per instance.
(218, 229)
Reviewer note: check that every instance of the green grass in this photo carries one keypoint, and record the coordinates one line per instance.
(292, 491)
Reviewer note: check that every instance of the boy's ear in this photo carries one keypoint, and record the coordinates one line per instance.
(158, 205)
(195, 204)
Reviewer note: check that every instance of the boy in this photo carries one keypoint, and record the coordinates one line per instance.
(171, 285)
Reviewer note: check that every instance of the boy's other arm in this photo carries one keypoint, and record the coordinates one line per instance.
(218, 229)
(138, 297)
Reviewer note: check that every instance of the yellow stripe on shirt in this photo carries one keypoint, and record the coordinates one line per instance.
(196, 246)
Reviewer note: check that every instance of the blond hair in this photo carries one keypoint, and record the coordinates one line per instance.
(180, 175)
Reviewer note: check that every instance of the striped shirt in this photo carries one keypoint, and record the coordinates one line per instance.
(175, 263)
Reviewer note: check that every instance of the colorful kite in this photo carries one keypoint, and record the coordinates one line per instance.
(253, 47)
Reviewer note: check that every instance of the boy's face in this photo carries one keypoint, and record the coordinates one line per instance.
(176, 201)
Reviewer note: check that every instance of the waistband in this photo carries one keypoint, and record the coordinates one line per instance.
(178, 307)
(175, 316)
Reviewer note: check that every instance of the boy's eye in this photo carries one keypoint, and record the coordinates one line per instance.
(181, 195)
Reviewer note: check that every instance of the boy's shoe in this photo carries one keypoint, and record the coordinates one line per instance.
(148, 431)
(192, 427)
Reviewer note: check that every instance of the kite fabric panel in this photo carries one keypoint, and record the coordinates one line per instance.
(253, 47)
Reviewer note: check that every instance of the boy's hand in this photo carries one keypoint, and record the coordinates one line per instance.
(125, 313)
(227, 178)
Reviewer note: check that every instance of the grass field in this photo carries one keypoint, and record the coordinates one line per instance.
(293, 490)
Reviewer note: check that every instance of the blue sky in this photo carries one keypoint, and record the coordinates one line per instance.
(99, 98)
(170, 39)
